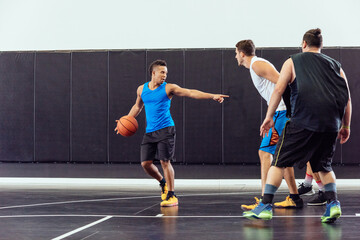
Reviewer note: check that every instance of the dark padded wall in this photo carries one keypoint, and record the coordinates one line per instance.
(350, 59)
(203, 118)
(89, 96)
(241, 113)
(52, 107)
(61, 107)
(176, 66)
(17, 106)
(127, 71)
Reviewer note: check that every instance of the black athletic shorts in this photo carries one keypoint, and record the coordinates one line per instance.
(159, 145)
(298, 145)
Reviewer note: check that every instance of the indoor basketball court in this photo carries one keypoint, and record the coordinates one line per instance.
(135, 213)
(93, 93)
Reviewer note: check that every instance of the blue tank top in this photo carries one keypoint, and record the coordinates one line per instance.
(157, 108)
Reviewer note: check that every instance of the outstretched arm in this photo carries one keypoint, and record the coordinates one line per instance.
(173, 89)
(344, 132)
(136, 108)
(286, 75)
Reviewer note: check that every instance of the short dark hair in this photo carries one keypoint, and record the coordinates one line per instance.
(313, 38)
(155, 63)
(247, 47)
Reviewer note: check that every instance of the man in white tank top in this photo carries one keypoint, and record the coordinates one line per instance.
(264, 76)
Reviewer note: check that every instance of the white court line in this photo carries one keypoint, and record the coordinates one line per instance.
(357, 214)
(76, 201)
(146, 208)
(114, 199)
(82, 228)
(51, 215)
(159, 215)
(90, 235)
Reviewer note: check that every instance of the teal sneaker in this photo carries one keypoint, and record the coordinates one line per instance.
(333, 212)
(262, 211)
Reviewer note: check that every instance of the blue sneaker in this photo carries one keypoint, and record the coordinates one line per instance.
(262, 211)
(333, 212)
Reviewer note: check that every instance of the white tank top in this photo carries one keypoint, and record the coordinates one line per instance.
(265, 87)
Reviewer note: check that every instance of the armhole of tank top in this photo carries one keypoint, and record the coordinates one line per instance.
(143, 89)
(166, 92)
(293, 82)
(293, 62)
(257, 59)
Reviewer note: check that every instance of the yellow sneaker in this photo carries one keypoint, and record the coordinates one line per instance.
(252, 206)
(164, 192)
(290, 203)
(172, 201)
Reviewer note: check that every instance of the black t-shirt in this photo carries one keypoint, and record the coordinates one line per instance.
(318, 94)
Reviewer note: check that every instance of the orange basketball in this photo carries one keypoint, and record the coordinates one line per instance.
(128, 126)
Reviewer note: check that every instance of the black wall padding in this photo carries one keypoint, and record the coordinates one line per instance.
(127, 71)
(17, 106)
(176, 66)
(350, 59)
(62, 106)
(241, 113)
(203, 118)
(52, 107)
(89, 112)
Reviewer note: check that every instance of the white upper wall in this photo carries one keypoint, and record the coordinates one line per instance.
(162, 24)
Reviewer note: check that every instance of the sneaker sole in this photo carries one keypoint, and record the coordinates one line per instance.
(334, 216)
(309, 193)
(329, 219)
(293, 207)
(254, 217)
(170, 205)
(316, 204)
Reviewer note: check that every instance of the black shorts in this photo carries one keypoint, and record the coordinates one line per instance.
(298, 145)
(159, 145)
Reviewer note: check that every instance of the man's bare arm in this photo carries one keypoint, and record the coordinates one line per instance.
(174, 89)
(136, 108)
(265, 70)
(139, 104)
(344, 133)
(286, 76)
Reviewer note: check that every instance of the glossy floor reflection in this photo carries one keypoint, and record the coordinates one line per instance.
(84, 214)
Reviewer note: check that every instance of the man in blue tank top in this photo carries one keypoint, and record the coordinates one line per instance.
(159, 139)
(321, 112)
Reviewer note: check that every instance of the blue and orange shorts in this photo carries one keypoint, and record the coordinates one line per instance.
(268, 143)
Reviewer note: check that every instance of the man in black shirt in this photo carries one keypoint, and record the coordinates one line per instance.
(321, 112)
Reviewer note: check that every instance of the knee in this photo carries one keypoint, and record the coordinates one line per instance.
(265, 156)
(165, 164)
(146, 164)
(289, 173)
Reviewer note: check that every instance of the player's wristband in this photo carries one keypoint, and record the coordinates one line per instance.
(345, 127)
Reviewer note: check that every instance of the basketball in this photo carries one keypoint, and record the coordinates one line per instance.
(128, 126)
